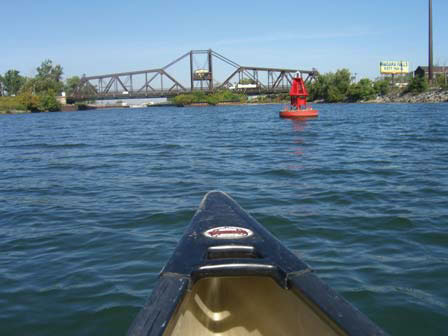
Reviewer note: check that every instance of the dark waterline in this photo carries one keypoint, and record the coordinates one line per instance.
(93, 203)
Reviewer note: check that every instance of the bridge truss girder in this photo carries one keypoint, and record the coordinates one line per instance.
(160, 83)
(277, 79)
(122, 85)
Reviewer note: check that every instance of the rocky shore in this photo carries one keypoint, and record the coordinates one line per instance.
(431, 96)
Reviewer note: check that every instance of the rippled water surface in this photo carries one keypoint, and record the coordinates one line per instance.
(93, 203)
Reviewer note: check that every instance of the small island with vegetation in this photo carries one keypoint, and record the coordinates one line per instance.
(217, 97)
(41, 93)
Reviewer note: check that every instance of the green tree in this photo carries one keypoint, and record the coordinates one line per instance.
(71, 84)
(49, 71)
(318, 89)
(199, 97)
(212, 100)
(247, 81)
(334, 95)
(12, 82)
(228, 96)
(29, 101)
(342, 80)
(331, 87)
(48, 102)
(382, 87)
(418, 84)
(363, 90)
(48, 78)
(8, 104)
(183, 99)
(442, 80)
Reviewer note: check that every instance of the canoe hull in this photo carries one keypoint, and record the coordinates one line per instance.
(241, 280)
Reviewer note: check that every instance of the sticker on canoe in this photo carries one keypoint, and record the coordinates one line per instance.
(228, 232)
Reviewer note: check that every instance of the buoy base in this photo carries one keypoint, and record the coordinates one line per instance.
(306, 113)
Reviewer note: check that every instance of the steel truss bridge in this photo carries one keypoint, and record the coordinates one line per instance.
(161, 82)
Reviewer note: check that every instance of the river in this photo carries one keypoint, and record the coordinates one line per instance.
(92, 204)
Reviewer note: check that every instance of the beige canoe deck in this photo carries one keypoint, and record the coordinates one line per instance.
(234, 306)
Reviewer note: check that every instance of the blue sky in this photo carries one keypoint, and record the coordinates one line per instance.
(97, 37)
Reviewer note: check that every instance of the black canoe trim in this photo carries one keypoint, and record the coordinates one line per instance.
(260, 254)
(155, 315)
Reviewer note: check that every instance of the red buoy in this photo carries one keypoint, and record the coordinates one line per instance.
(298, 107)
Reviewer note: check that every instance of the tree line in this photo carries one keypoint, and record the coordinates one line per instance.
(330, 88)
(339, 87)
(38, 93)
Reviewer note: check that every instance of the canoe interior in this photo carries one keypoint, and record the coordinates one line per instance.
(231, 306)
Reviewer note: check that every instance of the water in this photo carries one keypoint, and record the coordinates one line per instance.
(93, 203)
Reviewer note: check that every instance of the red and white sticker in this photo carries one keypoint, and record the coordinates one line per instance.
(228, 232)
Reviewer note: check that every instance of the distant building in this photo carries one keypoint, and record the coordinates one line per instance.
(436, 70)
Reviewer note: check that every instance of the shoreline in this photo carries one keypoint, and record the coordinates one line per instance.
(429, 97)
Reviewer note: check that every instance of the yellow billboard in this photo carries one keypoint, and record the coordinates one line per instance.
(394, 67)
